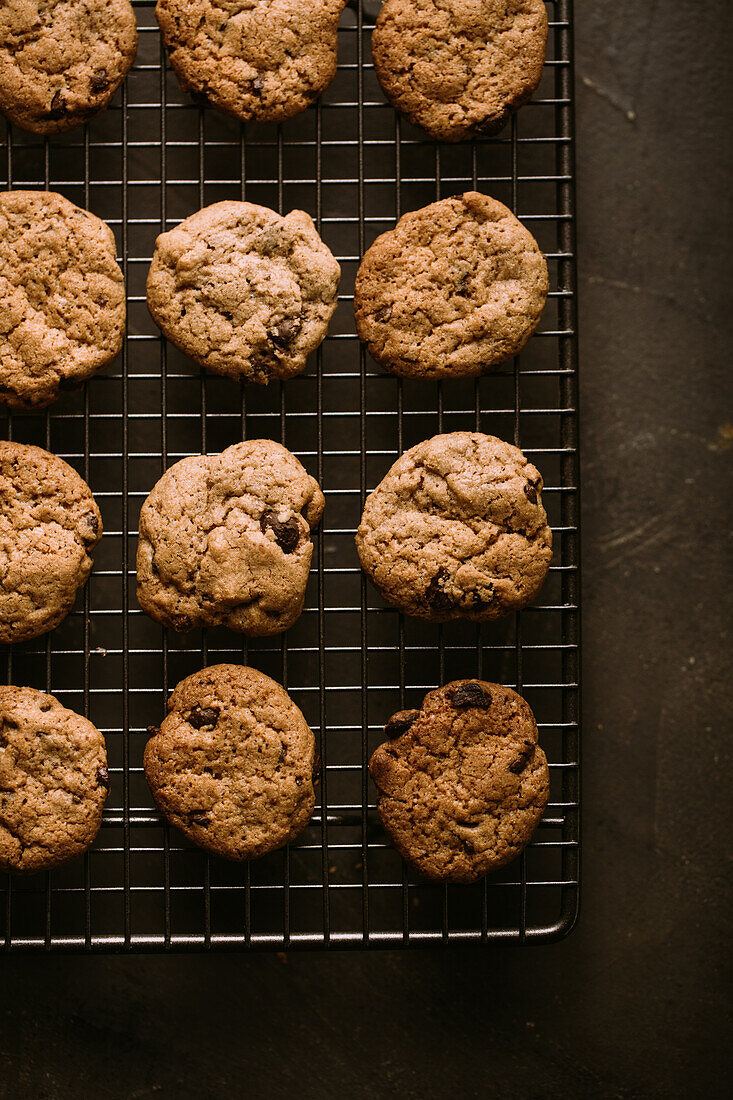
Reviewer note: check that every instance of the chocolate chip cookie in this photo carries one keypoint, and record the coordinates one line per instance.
(226, 540)
(454, 289)
(255, 59)
(232, 765)
(461, 783)
(243, 291)
(62, 297)
(53, 781)
(459, 68)
(61, 61)
(49, 527)
(456, 529)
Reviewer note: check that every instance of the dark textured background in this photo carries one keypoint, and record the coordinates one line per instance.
(634, 1002)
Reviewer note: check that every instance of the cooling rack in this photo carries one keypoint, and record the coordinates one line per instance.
(150, 160)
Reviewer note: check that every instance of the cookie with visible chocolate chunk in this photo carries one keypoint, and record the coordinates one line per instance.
(453, 290)
(243, 291)
(265, 60)
(459, 68)
(232, 765)
(226, 540)
(62, 297)
(49, 527)
(53, 781)
(61, 61)
(461, 783)
(456, 529)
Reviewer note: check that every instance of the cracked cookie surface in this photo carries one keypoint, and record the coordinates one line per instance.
(49, 527)
(61, 61)
(243, 291)
(462, 783)
(53, 781)
(459, 68)
(265, 60)
(454, 289)
(62, 297)
(232, 764)
(456, 529)
(226, 540)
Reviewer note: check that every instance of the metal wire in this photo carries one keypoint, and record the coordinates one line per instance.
(350, 661)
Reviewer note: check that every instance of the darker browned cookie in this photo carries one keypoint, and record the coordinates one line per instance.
(456, 530)
(454, 289)
(49, 527)
(226, 540)
(243, 291)
(61, 61)
(257, 59)
(458, 68)
(232, 763)
(62, 297)
(462, 783)
(53, 781)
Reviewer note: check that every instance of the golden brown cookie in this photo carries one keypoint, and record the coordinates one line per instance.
(462, 783)
(53, 781)
(49, 527)
(232, 765)
(255, 59)
(456, 530)
(226, 540)
(62, 297)
(453, 290)
(243, 291)
(61, 61)
(459, 68)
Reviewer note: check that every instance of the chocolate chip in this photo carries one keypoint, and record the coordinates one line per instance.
(70, 383)
(103, 777)
(93, 523)
(258, 83)
(383, 315)
(57, 109)
(525, 755)
(464, 286)
(317, 768)
(203, 716)
(471, 695)
(283, 335)
(399, 723)
(491, 124)
(531, 493)
(100, 83)
(286, 531)
(199, 819)
(200, 99)
(435, 596)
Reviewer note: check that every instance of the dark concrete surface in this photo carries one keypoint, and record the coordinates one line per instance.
(633, 1004)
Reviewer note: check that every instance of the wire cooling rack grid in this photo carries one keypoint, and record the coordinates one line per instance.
(153, 158)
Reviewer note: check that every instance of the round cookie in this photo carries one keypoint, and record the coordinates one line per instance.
(459, 68)
(462, 783)
(257, 59)
(53, 781)
(49, 527)
(226, 540)
(454, 289)
(232, 765)
(243, 291)
(456, 530)
(62, 297)
(61, 61)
